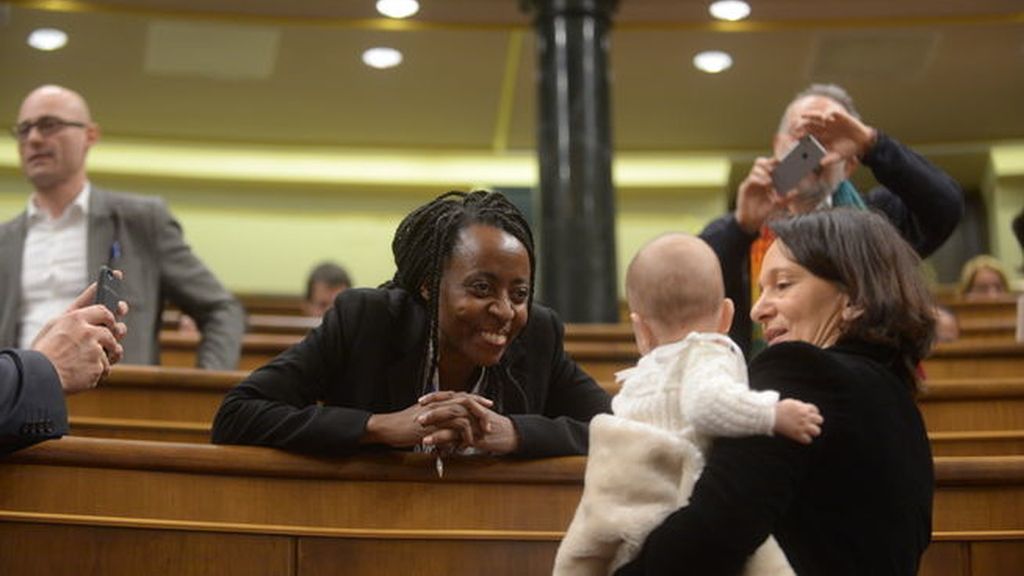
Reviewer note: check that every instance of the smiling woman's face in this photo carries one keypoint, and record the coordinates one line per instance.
(796, 305)
(484, 296)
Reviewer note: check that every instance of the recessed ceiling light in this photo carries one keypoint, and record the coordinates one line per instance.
(731, 10)
(712, 61)
(382, 58)
(47, 39)
(398, 8)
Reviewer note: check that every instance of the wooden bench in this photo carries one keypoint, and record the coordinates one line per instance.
(131, 507)
(964, 416)
(988, 329)
(968, 310)
(152, 403)
(976, 360)
(178, 349)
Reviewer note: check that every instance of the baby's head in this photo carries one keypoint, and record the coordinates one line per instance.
(674, 287)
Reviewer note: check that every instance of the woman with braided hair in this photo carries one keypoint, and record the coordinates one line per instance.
(451, 353)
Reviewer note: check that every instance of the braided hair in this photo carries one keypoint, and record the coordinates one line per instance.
(426, 238)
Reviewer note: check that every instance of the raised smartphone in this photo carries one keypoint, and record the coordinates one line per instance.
(801, 161)
(108, 289)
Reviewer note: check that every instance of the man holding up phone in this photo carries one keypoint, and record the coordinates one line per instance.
(50, 252)
(71, 354)
(923, 202)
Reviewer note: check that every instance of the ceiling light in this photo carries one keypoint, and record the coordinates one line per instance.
(47, 39)
(382, 58)
(731, 10)
(398, 8)
(712, 61)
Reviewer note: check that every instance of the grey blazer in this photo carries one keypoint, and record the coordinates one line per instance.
(138, 235)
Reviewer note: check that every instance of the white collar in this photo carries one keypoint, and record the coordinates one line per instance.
(81, 201)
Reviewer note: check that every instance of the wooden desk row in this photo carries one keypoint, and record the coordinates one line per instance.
(291, 305)
(93, 506)
(602, 358)
(964, 416)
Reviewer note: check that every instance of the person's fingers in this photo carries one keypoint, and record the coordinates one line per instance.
(441, 437)
(116, 355)
(104, 368)
(481, 399)
(442, 416)
(482, 415)
(105, 338)
(120, 330)
(97, 315)
(122, 309)
(438, 396)
(86, 298)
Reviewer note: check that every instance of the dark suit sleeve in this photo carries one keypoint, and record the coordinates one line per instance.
(561, 428)
(732, 246)
(31, 400)
(186, 281)
(748, 482)
(921, 200)
(279, 405)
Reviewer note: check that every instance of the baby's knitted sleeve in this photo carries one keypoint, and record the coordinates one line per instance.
(715, 397)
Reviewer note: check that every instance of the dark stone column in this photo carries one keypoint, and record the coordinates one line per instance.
(577, 236)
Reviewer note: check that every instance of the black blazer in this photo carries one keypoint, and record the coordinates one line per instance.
(857, 501)
(367, 358)
(31, 400)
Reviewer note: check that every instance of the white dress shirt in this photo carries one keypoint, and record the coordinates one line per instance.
(53, 265)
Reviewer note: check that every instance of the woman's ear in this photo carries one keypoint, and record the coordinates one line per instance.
(424, 292)
(642, 333)
(851, 312)
(726, 315)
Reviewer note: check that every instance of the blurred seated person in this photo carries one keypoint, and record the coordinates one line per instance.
(325, 282)
(924, 203)
(452, 354)
(947, 327)
(71, 353)
(983, 277)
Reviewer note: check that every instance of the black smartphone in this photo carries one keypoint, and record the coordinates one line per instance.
(799, 162)
(108, 289)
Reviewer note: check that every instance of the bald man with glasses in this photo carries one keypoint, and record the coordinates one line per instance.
(50, 252)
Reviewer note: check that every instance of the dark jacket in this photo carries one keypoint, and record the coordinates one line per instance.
(856, 501)
(367, 357)
(924, 203)
(31, 400)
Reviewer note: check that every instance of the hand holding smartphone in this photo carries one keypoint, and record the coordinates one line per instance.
(108, 289)
(799, 162)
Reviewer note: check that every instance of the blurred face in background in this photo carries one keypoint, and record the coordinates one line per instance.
(58, 137)
(987, 283)
(321, 298)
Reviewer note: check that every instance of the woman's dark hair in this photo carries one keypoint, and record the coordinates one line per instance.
(426, 237)
(869, 260)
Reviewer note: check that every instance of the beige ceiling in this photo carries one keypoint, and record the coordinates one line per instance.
(947, 77)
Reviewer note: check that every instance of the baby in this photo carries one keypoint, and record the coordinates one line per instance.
(689, 387)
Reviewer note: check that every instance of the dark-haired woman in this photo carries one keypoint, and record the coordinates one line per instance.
(451, 353)
(847, 318)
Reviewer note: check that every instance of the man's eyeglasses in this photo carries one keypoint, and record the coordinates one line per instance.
(46, 125)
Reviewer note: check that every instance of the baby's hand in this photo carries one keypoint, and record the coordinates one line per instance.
(797, 420)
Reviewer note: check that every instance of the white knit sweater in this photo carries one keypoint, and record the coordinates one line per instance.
(644, 460)
(697, 386)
